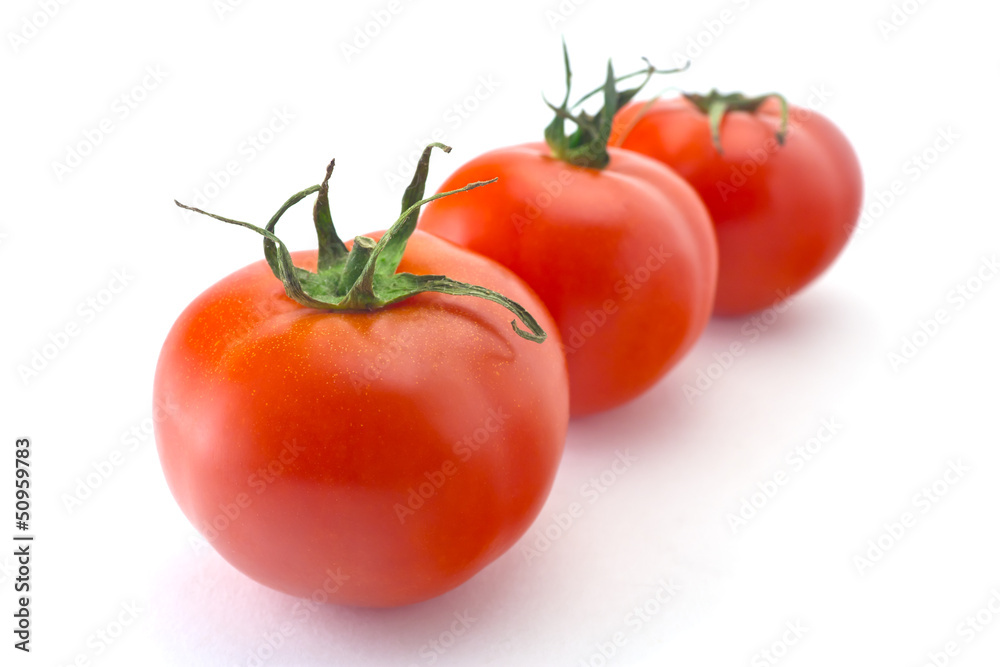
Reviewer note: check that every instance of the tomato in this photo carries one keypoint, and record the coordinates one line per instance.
(782, 211)
(619, 248)
(372, 458)
(623, 257)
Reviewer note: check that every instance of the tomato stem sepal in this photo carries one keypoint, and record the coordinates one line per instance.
(364, 278)
(587, 146)
(716, 105)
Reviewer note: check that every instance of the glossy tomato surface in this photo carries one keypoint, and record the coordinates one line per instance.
(624, 258)
(383, 457)
(782, 213)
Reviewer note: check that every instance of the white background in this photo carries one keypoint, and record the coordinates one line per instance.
(127, 546)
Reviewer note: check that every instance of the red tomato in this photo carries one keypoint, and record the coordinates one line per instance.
(782, 213)
(623, 257)
(369, 458)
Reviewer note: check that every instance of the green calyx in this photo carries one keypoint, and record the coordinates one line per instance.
(364, 278)
(588, 145)
(716, 105)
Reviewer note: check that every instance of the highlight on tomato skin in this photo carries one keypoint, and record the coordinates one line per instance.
(782, 183)
(372, 457)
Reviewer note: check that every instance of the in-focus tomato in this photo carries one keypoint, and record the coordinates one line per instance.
(371, 458)
(619, 248)
(783, 210)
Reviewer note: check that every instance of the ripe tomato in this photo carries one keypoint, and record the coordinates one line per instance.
(782, 212)
(369, 458)
(623, 257)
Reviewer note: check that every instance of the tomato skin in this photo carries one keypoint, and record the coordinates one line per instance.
(782, 213)
(591, 244)
(302, 433)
